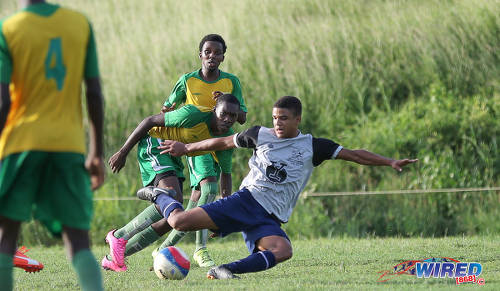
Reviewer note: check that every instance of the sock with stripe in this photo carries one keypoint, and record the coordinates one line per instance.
(167, 204)
(256, 262)
(208, 192)
(141, 241)
(147, 217)
(175, 236)
(6, 277)
(88, 271)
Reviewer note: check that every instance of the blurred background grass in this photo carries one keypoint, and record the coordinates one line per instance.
(401, 78)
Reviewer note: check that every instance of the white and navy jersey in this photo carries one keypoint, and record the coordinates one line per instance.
(281, 167)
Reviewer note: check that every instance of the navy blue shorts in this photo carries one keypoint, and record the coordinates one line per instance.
(241, 212)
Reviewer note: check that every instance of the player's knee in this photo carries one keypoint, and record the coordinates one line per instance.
(179, 221)
(282, 253)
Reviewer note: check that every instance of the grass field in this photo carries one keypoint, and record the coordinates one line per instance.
(320, 264)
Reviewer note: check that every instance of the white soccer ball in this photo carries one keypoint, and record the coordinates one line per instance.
(171, 263)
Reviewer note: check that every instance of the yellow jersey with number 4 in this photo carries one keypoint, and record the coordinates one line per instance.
(45, 52)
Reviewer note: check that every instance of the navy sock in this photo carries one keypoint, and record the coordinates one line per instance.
(167, 204)
(256, 262)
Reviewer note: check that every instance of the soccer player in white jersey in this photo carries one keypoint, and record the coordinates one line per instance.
(282, 162)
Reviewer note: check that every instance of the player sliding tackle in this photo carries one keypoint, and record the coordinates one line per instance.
(282, 162)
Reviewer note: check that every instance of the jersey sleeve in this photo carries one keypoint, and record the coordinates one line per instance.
(238, 94)
(91, 63)
(5, 59)
(187, 116)
(324, 149)
(225, 160)
(178, 94)
(247, 138)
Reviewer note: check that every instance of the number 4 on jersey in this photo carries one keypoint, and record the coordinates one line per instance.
(54, 66)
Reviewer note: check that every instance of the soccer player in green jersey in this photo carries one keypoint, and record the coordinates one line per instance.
(197, 88)
(190, 122)
(43, 171)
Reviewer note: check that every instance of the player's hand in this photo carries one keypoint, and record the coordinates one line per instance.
(167, 109)
(399, 164)
(95, 167)
(117, 162)
(217, 94)
(172, 147)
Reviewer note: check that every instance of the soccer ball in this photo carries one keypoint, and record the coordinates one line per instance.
(171, 263)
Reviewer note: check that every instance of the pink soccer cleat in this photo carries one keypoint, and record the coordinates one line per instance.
(116, 248)
(110, 265)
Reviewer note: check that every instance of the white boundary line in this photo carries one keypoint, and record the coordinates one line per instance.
(325, 194)
(421, 191)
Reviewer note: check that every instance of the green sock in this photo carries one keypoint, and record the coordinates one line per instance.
(147, 217)
(175, 236)
(208, 193)
(141, 241)
(88, 271)
(6, 278)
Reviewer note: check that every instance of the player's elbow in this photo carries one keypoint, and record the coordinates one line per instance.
(152, 121)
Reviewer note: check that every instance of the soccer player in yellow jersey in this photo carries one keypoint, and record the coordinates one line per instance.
(188, 123)
(197, 88)
(46, 51)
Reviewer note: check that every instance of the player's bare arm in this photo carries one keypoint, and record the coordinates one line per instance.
(226, 183)
(94, 162)
(177, 149)
(4, 104)
(117, 161)
(364, 157)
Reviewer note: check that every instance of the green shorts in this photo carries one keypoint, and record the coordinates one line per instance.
(152, 163)
(54, 187)
(201, 167)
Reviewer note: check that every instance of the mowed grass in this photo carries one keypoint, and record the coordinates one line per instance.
(317, 264)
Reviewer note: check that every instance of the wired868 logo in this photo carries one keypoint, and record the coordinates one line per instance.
(462, 272)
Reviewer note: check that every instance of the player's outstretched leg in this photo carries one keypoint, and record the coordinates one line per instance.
(163, 198)
(118, 239)
(201, 256)
(174, 236)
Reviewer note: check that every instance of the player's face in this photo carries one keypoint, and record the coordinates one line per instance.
(211, 55)
(226, 114)
(286, 124)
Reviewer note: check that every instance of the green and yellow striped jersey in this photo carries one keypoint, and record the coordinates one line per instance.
(192, 89)
(45, 52)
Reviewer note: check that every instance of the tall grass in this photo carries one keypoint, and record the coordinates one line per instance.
(371, 74)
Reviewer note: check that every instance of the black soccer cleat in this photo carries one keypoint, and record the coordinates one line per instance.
(150, 193)
(220, 273)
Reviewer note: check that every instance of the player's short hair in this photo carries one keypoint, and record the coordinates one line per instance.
(229, 98)
(213, 37)
(291, 103)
